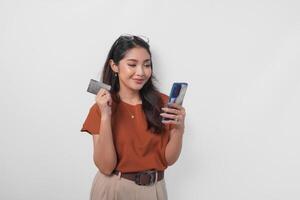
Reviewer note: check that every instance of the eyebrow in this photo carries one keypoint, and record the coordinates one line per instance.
(131, 59)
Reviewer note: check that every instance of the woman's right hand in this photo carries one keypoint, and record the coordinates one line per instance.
(104, 101)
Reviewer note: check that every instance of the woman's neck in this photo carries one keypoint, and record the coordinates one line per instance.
(129, 96)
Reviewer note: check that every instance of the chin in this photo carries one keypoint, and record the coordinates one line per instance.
(137, 87)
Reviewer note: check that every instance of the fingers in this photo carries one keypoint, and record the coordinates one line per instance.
(171, 110)
(175, 113)
(104, 102)
(109, 101)
(102, 92)
(175, 119)
(103, 96)
(174, 109)
(170, 116)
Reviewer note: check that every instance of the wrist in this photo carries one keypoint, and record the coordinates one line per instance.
(177, 132)
(105, 118)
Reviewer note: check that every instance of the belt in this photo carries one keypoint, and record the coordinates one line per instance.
(142, 178)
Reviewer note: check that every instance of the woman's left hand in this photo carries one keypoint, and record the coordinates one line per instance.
(176, 113)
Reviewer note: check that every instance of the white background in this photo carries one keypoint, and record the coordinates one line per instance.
(241, 59)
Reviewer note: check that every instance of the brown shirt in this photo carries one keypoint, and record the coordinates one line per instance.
(137, 148)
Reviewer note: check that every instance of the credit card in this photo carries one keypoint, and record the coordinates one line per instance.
(95, 86)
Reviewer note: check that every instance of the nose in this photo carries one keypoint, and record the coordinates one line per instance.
(140, 70)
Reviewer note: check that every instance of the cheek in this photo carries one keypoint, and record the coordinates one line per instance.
(148, 72)
(128, 71)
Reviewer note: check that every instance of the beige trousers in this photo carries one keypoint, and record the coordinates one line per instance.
(115, 187)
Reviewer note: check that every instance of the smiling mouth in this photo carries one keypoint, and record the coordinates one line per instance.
(139, 81)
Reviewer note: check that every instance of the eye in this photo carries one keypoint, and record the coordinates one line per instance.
(148, 65)
(132, 65)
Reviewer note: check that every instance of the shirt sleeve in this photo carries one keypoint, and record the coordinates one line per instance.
(92, 122)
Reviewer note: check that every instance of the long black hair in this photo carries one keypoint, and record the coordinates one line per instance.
(151, 98)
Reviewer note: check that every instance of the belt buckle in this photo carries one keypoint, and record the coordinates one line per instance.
(150, 173)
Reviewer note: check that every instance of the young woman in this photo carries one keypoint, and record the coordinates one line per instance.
(132, 144)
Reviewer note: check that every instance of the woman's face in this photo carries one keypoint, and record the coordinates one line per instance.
(134, 69)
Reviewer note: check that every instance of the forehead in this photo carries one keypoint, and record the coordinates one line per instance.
(137, 53)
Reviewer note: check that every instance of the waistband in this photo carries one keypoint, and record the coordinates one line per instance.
(147, 177)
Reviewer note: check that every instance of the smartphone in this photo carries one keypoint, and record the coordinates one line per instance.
(95, 86)
(177, 94)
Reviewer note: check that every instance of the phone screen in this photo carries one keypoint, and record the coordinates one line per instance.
(177, 93)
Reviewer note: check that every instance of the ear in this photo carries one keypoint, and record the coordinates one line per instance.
(113, 66)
